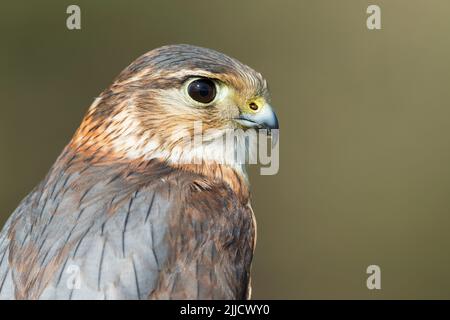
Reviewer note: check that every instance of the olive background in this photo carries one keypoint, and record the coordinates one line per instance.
(365, 125)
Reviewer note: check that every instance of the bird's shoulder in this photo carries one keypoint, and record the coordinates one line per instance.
(102, 231)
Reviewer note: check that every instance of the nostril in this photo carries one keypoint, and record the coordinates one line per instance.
(253, 106)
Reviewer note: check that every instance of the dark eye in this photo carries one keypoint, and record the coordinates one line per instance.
(202, 90)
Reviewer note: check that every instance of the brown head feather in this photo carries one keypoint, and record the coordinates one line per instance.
(140, 116)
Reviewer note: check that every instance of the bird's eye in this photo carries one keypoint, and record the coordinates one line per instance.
(202, 90)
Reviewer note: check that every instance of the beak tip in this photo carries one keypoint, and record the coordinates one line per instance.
(274, 124)
(270, 121)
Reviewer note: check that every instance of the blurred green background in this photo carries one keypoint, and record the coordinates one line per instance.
(365, 125)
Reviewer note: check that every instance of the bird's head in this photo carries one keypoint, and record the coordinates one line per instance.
(154, 105)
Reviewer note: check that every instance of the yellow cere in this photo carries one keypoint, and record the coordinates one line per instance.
(254, 105)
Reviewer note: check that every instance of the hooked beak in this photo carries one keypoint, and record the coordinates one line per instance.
(263, 119)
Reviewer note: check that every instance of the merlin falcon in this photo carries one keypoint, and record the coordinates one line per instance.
(130, 210)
